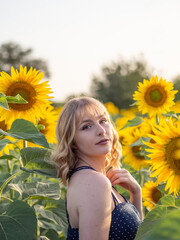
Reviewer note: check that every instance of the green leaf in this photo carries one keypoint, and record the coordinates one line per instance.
(16, 99)
(150, 221)
(52, 235)
(177, 203)
(139, 142)
(3, 143)
(55, 216)
(5, 156)
(36, 160)
(153, 219)
(133, 104)
(37, 190)
(3, 102)
(18, 222)
(23, 177)
(171, 114)
(44, 238)
(47, 224)
(3, 176)
(134, 122)
(167, 228)
(167, 201)
(23, 129)
(4, 206)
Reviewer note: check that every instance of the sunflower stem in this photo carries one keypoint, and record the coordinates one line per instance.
(24, 143)
(6, 198)
(8, 180)
(157, 119)
(9, 166)
(141, 175)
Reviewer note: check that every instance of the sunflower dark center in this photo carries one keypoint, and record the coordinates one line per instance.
(137, 152)
(155, 96)
(3, 126)
(156, 195)
(26, 91)
(173, 155)
(43, 122)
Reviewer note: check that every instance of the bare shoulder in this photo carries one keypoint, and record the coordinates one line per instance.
(92, 199)
(87, 180)
(92, 187)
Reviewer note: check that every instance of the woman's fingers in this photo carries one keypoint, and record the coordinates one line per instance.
(116, 173)
(123, 178)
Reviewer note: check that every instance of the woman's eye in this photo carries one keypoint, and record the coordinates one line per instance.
(103, 121)
(86, 127)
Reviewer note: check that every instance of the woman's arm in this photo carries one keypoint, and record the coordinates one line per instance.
(94, 207)
(124, 179)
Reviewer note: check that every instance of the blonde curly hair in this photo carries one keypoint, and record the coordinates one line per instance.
(64, 156)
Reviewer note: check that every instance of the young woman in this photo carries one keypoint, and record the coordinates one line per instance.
(87, 147)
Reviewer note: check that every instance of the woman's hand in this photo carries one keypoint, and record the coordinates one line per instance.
(124, 179)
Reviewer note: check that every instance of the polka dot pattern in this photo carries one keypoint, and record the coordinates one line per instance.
(124, 223)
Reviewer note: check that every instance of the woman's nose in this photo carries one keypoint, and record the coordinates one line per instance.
(100, 129)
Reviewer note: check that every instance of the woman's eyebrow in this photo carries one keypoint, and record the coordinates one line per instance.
(90, 120)
(84, 121)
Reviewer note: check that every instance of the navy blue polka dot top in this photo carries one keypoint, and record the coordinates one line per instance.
(125, 219)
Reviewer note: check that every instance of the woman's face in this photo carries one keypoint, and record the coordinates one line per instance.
(93, 136)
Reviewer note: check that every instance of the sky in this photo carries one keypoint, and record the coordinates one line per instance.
(78, 37)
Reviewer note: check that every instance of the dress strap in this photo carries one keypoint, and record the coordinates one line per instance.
(115, 199)
(80, 168)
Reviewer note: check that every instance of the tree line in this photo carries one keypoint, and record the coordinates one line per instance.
(116, 84)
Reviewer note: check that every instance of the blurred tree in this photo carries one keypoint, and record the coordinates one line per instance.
(176, 82)
(12, 54)
(119, 81)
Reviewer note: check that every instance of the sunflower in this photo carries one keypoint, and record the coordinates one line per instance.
(58, 109)
(111, 108)
(165, 155)
(155, 96)
(150, 194)
(28, 85)
(121, 122)
(132, 154)
(6, 126)
(47, 125)
(176, 107)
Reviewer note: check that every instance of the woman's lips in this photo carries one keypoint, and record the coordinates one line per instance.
(103, 142)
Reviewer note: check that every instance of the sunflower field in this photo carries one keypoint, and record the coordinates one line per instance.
(32, 200)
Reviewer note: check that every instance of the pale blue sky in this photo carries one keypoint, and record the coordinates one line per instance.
(77, 37)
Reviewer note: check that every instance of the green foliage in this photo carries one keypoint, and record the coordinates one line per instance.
(35, 160)
(119, 81)
(162, 222)
(176, 82)
(53, 217)
(23, 129)
(12, 54)
(23, 194)
(37, 190)
(134, 122)
(18, 222)
(4, 100)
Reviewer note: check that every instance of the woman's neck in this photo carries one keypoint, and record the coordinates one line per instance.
(98, 165)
